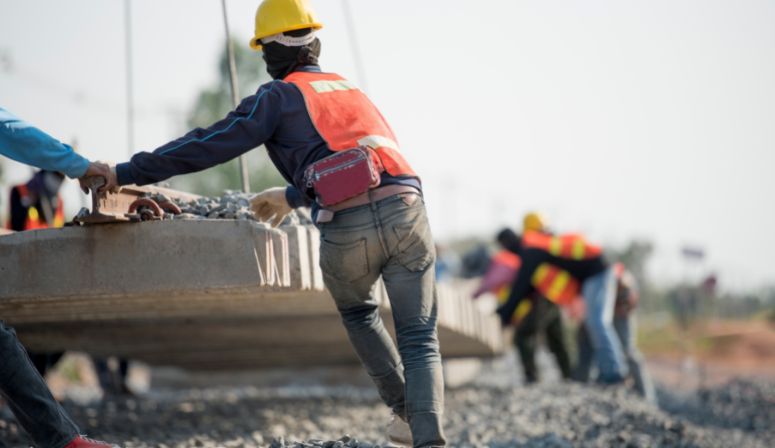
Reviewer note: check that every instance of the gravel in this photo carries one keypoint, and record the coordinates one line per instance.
(230, 205)
(488, 413)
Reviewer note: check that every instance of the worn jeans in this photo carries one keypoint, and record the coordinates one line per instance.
(29, 397)
(599, 293)
(625, 329)
(390, 238)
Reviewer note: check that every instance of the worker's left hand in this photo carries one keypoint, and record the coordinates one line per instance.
(271, 204)
(111, 186)
(95, 169)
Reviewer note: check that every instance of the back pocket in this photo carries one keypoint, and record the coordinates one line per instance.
(415, 250)
(346, 262)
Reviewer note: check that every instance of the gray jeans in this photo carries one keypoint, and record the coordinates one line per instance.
(390, 238)
(28, 396)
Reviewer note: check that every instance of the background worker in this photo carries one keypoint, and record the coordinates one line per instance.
(20, 383)
(625, 325)
(33, 205)
(544, 317)
(304, 117)
(566, 260)
(533, 316)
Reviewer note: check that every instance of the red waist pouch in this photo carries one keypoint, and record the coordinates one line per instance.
(342, 176)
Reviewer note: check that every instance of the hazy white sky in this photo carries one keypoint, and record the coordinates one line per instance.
(651, 119)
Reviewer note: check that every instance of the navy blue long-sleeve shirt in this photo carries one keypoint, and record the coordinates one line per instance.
(276, 116)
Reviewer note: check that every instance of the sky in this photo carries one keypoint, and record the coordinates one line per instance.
(652, 119)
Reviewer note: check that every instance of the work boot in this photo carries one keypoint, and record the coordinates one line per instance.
(398, 431)
(85, 442)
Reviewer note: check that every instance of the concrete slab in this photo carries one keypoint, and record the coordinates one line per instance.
(212, 294)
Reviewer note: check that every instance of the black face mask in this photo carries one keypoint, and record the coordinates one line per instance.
(281, 60)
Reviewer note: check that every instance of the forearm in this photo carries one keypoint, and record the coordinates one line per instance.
(28, 144)
(247, 127)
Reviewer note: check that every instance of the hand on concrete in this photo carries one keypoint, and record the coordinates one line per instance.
(94, 172)
(271, 204)
(111, 184)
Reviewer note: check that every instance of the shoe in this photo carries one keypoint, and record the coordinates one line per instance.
(85, 442)
(398, 431)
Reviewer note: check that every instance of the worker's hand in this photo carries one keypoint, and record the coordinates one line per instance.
(271, 204)
(111, 185)
(95, 170)
(504, 316)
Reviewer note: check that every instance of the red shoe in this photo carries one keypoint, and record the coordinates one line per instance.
(85, 442)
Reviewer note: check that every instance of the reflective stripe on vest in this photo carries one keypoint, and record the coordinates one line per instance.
(570, 246)
(347, 119)
(555, 284)
(34, 219)
(523, 309)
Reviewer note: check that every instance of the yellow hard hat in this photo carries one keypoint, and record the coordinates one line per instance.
(278, 16)
(533, 222)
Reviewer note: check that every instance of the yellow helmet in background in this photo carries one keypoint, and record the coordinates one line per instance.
(278, 16)
(533, 222)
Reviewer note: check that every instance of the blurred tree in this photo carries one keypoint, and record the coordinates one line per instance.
(635, 256)
(212, 104)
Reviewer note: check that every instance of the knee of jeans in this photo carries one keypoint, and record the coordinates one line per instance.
(363, 317)
(418, 343)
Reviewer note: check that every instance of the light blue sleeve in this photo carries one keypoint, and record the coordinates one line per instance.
(25, 143)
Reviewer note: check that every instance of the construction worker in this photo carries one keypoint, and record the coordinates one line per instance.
(20, 383)
(625, 326)
(37, 204)
(561, 264)
(536, 314)
(544, 316)
(309, 119)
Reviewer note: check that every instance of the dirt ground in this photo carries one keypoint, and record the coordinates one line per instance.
(710, 352)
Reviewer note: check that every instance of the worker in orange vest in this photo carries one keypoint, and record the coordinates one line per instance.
(560, 264)
(37, 204)
(340, 156)
(536, 314)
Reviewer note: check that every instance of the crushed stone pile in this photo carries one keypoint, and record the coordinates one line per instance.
(479, 415)
(230, 205)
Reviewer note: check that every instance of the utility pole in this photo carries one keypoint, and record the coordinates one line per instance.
(354, 48)
(130, 107)
(243, 165)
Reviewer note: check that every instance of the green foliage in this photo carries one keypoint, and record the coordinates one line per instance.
(212, 104)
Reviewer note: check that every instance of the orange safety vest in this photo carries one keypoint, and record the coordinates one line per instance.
(554, 283)
(571, 246)
(346, 119)
(35, 220)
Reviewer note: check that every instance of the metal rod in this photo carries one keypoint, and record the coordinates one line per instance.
(354, 48)
(130, 107)
(243, 162)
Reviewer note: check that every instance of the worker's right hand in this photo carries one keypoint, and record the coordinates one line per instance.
(95, 169)
(271, 204)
